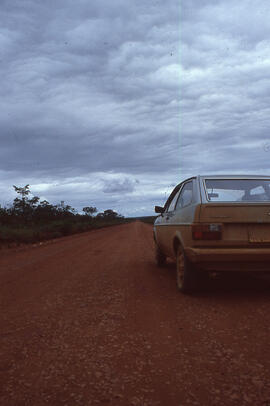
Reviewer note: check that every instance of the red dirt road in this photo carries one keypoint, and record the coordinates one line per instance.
(89, 319)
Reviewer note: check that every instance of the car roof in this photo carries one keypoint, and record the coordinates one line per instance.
(234, 176)
(225, 176)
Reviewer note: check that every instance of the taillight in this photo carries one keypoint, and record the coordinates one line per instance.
(206, 232)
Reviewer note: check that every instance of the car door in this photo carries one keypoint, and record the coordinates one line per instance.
(163, 225)
(174, 215)
(185, 211)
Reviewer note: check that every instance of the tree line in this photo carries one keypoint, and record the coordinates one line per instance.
(32, 210)
(30, 219)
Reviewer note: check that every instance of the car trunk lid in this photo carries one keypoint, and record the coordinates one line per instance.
(242, 223)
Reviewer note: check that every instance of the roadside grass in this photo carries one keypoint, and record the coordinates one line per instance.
(28, 234)
(16, 234)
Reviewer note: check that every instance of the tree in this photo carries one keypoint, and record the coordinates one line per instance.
(19, 204)
(109, 214)
(64, 210)
(23, 191)
(45, 211)
(89, 210)
(24, 206)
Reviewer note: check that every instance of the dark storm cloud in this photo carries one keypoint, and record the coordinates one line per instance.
(80, 84)
(94, 93)
(119, 186)
(225, 86)
(88, 89)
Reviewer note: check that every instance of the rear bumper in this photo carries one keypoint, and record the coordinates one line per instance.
(224, 257)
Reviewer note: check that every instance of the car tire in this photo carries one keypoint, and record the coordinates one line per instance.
(187, 277)
(159, 256)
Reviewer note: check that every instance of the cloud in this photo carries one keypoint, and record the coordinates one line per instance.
(224, 87)
(119, 186)
(96, 94)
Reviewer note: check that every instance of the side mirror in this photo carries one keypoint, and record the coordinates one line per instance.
(210, 195)
(159, 209)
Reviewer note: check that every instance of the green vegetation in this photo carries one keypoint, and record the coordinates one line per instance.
(30, 220)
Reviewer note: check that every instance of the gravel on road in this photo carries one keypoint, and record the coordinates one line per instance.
(91, 320)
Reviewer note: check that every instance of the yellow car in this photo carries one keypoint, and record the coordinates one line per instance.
(215, 223)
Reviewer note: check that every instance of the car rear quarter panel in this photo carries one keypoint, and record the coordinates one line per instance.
(177, 228)
(183, 220)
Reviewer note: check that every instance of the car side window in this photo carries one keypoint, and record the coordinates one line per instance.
(185, 197)
(173, 201)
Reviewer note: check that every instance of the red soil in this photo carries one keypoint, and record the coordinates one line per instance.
(90, 319)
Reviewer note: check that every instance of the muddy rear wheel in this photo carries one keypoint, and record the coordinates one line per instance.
(159, 256)
(187, 277)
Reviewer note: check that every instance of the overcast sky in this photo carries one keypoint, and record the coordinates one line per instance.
(111, 103)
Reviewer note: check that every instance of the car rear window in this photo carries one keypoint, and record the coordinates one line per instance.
(235, 190)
